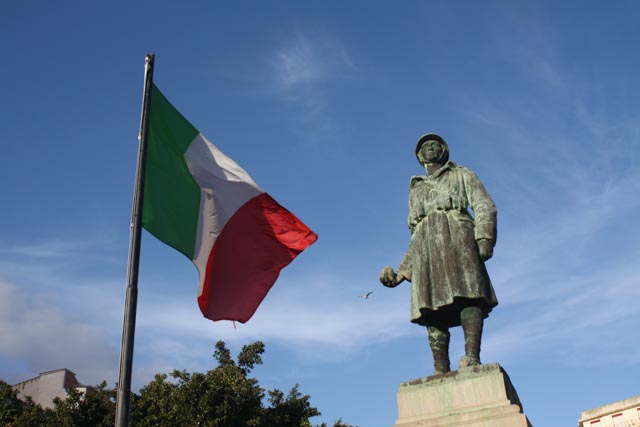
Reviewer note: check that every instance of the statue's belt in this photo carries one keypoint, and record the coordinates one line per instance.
(450, 202)
(441, 203)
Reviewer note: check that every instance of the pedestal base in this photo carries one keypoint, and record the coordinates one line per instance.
(478, 396)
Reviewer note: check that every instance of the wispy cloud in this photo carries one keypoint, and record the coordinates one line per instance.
(317, 322)
(93, 247)
(567, 275)
(49, 249)
(318, 314)
(304, 70)
(55, 262)
(565, 270)
(40, 333)
(597, 307)
(77, 323)
(58, 307)
(303, 62)
(298, 64)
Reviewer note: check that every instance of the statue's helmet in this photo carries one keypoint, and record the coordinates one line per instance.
(432, 137)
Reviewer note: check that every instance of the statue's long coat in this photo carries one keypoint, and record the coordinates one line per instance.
(443, 262)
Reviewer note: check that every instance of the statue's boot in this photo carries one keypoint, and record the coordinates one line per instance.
(439, 343)
(472, 321)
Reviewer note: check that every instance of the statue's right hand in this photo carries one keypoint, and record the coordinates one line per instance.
(388, 277)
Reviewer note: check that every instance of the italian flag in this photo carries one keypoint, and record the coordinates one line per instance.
(202, 203)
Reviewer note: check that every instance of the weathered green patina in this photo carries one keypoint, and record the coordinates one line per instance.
(448, 247)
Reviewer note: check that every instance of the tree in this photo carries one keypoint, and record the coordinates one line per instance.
(222, 397)
(18, 413)
(95, 408)
(10, 405)
(294, 410)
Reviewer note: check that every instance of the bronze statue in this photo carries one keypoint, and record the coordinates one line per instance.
(445, 261)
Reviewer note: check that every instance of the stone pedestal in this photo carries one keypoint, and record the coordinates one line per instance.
(478, 396)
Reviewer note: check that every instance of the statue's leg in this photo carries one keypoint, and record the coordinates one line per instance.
(472, 320)
(439, 341)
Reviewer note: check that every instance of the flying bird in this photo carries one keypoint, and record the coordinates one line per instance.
(366, 296)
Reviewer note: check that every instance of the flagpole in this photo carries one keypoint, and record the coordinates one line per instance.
(123, 402)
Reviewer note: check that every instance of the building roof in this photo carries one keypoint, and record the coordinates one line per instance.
(611, 408)
(69, 378)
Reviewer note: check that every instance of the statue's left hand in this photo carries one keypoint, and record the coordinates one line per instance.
(485, 249)
(388, 277)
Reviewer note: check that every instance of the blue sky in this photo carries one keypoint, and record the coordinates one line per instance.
(322, 102)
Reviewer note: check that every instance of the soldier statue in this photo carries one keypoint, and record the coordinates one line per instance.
(448, 247)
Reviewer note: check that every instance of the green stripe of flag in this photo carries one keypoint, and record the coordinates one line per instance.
(171, 195)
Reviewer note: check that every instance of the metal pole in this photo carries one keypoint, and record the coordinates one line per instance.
(123, 402)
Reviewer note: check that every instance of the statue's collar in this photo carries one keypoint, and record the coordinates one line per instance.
(442, 169)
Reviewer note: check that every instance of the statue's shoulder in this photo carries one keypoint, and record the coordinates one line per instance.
(416, 180)
(456, 167)
(461, 169)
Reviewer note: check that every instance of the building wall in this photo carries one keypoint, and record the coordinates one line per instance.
(47, 386)
(625, 413)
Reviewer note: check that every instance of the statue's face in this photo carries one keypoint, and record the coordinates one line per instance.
(431, 151)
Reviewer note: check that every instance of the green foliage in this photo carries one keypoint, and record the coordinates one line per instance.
(10, 405)
(293, 411)
(33, 415)
(93, 408)
(96, 408)
(222, 397)
(17, 413)
(249, 356)
(337, 423)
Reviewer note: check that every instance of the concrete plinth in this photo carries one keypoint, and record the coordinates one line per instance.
(478, 396)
